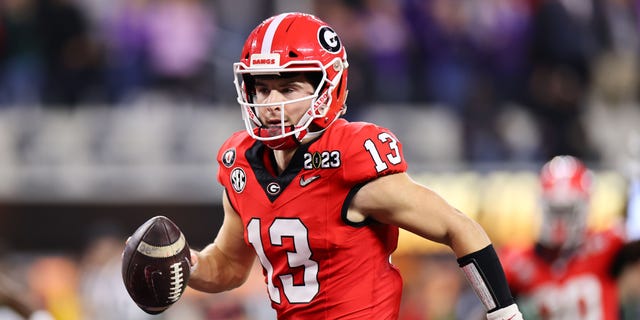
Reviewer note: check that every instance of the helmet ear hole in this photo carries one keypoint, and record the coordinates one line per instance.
(249, 87)
(292, 54)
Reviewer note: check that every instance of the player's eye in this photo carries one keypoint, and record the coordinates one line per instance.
(294, 88)
(262, 91)
(288, 90)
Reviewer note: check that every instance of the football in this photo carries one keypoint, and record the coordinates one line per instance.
(156, 265)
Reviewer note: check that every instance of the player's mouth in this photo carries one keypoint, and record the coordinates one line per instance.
(276, 123)
(276, 129)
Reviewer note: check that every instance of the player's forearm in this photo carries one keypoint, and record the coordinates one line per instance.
(483, 269)
(466, 235)
(214, 272)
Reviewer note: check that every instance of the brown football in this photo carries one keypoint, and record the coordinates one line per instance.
(156, 265)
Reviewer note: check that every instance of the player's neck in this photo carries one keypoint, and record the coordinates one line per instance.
(283, 158)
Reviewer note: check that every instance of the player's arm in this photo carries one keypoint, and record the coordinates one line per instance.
(398, 200)
(226, 263)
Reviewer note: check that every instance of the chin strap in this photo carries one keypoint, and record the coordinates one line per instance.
(283, 143)
(288, 142)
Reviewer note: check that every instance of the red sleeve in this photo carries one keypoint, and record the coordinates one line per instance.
(373, 152)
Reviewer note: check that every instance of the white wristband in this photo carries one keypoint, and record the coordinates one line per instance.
(510, 312)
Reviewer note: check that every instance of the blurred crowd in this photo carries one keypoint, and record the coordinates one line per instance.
(486, 62)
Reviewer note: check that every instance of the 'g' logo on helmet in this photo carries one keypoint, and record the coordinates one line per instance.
(328, 39)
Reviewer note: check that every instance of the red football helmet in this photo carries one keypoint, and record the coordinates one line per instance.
(293, 42)
(566, 189)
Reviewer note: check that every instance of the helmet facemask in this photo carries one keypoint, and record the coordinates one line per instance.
(282, 135)
(564, 225)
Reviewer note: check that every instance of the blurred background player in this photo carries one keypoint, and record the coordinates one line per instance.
(571, 271)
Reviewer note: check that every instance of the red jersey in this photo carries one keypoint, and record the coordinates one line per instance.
(578, 288)
(318, 265)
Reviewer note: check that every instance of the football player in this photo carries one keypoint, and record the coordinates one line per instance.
(570, 272)
(317, 199)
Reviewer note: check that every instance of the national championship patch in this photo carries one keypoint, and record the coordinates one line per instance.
(229, 157)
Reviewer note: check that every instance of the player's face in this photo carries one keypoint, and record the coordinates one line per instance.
(279, 90)
(563, 225)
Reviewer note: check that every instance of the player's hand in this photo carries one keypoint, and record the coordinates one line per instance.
(194, 260)
(510, 312)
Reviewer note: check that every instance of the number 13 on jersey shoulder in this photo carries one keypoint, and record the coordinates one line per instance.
(393, 156)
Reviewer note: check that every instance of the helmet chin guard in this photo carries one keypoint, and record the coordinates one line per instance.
(281, 142)
(300, 43)
(276, 136)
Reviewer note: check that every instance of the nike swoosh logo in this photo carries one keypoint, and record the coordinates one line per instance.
(305, 182)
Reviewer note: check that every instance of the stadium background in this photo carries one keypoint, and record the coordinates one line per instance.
(112, 112)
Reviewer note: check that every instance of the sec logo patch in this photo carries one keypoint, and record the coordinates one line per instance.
(238, 179)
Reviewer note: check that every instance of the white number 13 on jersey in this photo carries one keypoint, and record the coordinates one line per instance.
(393, 157)
(300, 257)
